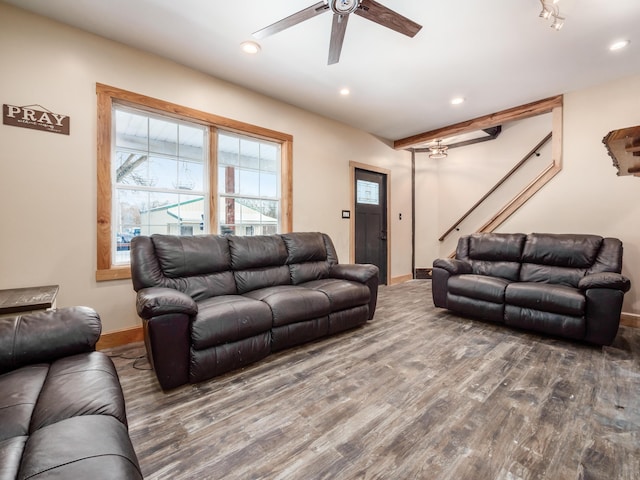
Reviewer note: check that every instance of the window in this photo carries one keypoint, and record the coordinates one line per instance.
(248, 185)
(159, 177)
(164, 168)
(367, 192)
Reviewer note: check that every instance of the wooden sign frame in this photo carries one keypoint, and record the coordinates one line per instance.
(29, 117)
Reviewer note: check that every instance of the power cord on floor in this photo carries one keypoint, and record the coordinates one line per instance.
(119, 355)
(136, 363)
(136, 360)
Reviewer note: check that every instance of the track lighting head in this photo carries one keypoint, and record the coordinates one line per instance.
(550, 10)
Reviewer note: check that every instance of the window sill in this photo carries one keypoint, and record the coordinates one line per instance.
(113, 273)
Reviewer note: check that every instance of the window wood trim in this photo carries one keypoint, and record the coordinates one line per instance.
(106, 95)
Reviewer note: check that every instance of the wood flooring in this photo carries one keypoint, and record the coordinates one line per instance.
(417, 393)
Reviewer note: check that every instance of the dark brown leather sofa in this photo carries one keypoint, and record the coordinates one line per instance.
(62, 412)
(211, 304)
(564, 285)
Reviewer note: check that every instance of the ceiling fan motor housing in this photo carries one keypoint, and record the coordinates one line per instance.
(344, 7)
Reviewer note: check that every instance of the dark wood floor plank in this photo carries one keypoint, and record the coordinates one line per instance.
(417, 393)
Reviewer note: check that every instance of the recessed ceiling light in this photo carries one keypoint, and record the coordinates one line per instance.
(250, 47)
(457, 101)
(619, 45)
(344, 92)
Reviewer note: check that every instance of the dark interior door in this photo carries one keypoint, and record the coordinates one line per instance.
(371, 220)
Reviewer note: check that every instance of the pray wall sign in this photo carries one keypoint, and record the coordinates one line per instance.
(30, 117)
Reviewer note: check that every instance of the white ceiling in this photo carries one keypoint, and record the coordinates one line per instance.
(497, 54)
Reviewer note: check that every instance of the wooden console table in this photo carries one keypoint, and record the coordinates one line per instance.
(16, 301)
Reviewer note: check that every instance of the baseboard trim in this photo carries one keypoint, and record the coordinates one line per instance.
(120, 337)
(400, 279)
(630, 320)
(134, 334)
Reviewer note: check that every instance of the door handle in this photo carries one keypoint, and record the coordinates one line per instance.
(383, 235)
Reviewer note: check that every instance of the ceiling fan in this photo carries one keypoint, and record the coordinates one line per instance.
(341, 9)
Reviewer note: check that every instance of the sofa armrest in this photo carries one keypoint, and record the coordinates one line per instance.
(155, 301)
(356, 272)
(365, 273)
(453, 265)
(47, 336)
(610, 280)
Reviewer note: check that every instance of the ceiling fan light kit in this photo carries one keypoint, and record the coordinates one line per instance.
(368, 9)
(550, 10)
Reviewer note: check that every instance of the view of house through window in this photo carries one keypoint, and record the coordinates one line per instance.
(159, 173)
(248, 185)
(160, 180)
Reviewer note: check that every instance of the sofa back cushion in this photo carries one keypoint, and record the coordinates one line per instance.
(208, 265)
(561, 250)
(307, 256)
(540, 257)
(609, 257)
(304, 247)
(558, 258)
(184, 256)
(493, 254)
(258, 261)
(256, 251)
(44, 336)
(198, 266)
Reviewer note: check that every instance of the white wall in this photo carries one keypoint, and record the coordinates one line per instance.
(48, 191)
(585, 197)
(468, 173)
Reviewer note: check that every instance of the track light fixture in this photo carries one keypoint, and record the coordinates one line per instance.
(550, 10)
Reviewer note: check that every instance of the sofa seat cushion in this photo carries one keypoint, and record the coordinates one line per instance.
(19, 391)
(11, 454)
(65, 419)
(228, 318)
(481, 287)
(291, 304)
(94, 375)
(546, 297)
(89, 446)
(342, 294)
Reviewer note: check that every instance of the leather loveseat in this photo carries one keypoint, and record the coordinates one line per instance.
(211, 304)
(62, 412)
(564, 285)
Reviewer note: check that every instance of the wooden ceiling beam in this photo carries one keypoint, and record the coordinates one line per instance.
(481, 123)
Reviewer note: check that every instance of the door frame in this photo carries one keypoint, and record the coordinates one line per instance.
(352, 223)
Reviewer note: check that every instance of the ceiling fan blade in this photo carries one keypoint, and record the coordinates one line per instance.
(372, 10)
(338, 29)
(292, 20)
